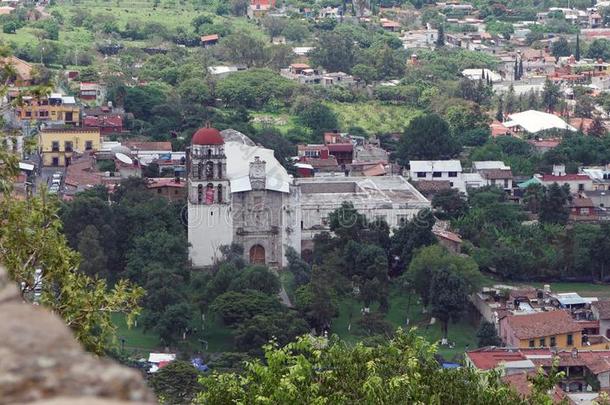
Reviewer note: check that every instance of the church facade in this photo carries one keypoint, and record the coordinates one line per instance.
(239, 193)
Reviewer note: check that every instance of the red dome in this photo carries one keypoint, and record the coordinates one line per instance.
(207, 136)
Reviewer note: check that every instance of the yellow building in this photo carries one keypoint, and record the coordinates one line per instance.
(546, 329)
(57, 146)
(54, 108)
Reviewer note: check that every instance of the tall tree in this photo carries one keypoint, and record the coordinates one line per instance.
(176, 383)
(448, 296)
(440, 38)
(577, 50)
(487, 335)
(511, 103)
(500, 110)
(427, 137)
(554, 206)
(550, 95)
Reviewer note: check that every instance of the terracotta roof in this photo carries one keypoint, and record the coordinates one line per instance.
(454, 237)
(487, 360)
(520, 383)
(603, 308)
(542, 324)
(376, 170)
(209, 38)
(160, 146)
(300, 66)
(544, 143)
(104, 121)
(567, 177)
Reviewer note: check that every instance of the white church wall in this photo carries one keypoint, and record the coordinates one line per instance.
(210, 226)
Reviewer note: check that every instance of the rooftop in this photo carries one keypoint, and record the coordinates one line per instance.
(535, 121)
(435, 166)
(542, 324)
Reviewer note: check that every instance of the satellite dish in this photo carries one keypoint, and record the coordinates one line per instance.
(123, 158)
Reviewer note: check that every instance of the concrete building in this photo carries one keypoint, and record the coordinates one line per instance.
(54, 109)
(58, 146)
(438, 170)
(239, 193)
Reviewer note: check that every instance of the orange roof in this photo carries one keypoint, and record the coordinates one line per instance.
(209, 38)
(300, 66)
(161, 146)
(542, 324)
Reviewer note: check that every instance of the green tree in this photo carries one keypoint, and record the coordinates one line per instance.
(365, 72)
(428, 260)
(89, 246)
(176, 383)
(440, 36)
(597, 128)
(550, 95)
(561, 48)
(487, 335)
(577, 50)
(554, 206)
(334, 52)
(599, 49)
(427, 137)
(235, 307)
(254, 333)
(448, 296)
(315, 115)
(410, 236)
(316, 301)
(299, 268)
(450, 204)
(400, 370)
(257, 278)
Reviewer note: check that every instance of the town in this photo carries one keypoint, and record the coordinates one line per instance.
(305, 201)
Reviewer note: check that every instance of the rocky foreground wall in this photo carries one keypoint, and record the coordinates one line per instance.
(42, 363)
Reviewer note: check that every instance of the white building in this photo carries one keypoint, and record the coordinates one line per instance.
(533, 121)
(477, 74)
(438, 170)
(239, 193)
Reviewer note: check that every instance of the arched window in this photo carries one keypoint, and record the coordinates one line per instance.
(200, 170)
(219, 188)
(220, 170)
(209, 153)
(209, 194)
(209, 170)
(200, 193)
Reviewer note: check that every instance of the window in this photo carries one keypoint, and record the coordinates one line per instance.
(542, 342)
(158, 191)
(55, 161)
(219, 188)
(505, 183)
(437, 174)
(553, 341)
(584, 211)
(531, 343)
(581, 187)
(452, 174)
(200, 193)
(209, 170)
(570, 340)
(55, 146)
(421, 174)
(200, 170)
(88, 145)
(220, 170)
(401, 219)
(68, 146)
(28, 113)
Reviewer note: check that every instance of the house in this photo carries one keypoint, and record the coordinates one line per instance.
(582, 208)
(601, 312)
(23, 71)
(174, 189)
(419, 39)
(59, 145)
(438, 170)
(53, 109)
(495, 173)
(577, 182)
(108, 124)
(541, 329)
(147, 152)
(389, 25)
(209, 40)
(481, 74)
(533, 121)
(260, 8)
(93, 92)
(451, 240)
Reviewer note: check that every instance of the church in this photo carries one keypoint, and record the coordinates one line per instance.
(239, 193)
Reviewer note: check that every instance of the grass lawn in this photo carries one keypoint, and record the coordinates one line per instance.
(463, 334)
(373, 117)
(218, 336)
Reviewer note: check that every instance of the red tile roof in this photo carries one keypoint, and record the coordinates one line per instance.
(603, 308)
(209, 38)
(567, 177)
(487, 360)
(115, 121)
(542, 324)
(165, 182)
(340, 147)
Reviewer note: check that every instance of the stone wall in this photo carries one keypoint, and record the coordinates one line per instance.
(42, 363)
